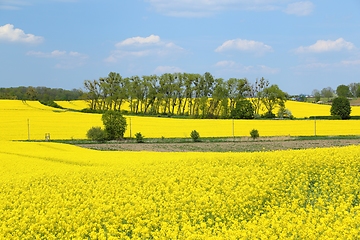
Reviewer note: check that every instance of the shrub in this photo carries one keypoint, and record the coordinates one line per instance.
(284, 113)
(50, 103)
(96, 134)
(268, 115)
(254, 134)
(195, 136)
(139, 137)
(243, 110)
(341, 107)
(115, 124)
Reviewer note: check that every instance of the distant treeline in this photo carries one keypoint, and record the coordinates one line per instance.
(196, 95)
(40, 93)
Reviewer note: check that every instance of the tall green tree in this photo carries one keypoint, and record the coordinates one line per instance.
(343, 91)
(327, 92)
(317, 95)
(243, 110)
(354, 89)
(115, 124)
(341, 107)
(272, 97)
(256, 93)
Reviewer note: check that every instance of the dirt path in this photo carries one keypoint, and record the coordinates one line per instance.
(237, 146)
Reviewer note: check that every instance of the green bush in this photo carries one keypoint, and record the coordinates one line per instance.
(139, 137)
(96, 134)
(341, 107)
(195, 136)
(115, 124)
(268, 115)
(243, 110)
(254, 134)
(50, 103)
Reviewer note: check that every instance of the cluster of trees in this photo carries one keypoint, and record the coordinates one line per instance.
(40, 93)
(201, 96)
(115, 127)
(348, 91)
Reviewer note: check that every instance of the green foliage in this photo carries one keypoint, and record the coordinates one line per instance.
(317, 95)
(343, 91)
(273, 96)
(284, 113)
(115, 124)
(139, 137)
(195, 136)
(341, 107)
(96, 134)
(327, 93)
(51, 103)
(254, 134)
(89, 110)
(40, 93)
(243, 110)
(268, 115)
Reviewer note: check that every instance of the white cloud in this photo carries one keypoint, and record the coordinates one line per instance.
(204, 8)
(10, 34)
(167, 69)
(234, 67)
(327, 46)
(152, 39)
(66, 59)
(137, 47)
(300, 8)
(244, 45)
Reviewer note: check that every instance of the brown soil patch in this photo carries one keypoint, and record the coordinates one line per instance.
(243, 145)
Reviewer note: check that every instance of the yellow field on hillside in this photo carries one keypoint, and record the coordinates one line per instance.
(73, 104)
(298, 109)
(57, 191)
(30, 119)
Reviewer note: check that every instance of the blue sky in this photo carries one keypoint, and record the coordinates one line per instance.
(298, 45)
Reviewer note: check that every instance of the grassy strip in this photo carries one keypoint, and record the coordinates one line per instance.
(207, 139)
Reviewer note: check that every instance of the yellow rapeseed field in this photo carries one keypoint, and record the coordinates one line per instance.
(73, 104)
(32, 120)
(56, 191)
(298, 109)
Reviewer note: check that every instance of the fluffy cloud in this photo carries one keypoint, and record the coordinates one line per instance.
(10, 34)
(137, 47)
(152, 39)
(327, 46)
(300, 8)
(244, 45)
(66, 60)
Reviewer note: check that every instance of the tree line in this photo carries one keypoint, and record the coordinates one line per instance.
(348, 91)
(40, 93)
(195, 95)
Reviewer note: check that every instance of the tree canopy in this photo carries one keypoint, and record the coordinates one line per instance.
(341, 107)
(188, 94)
